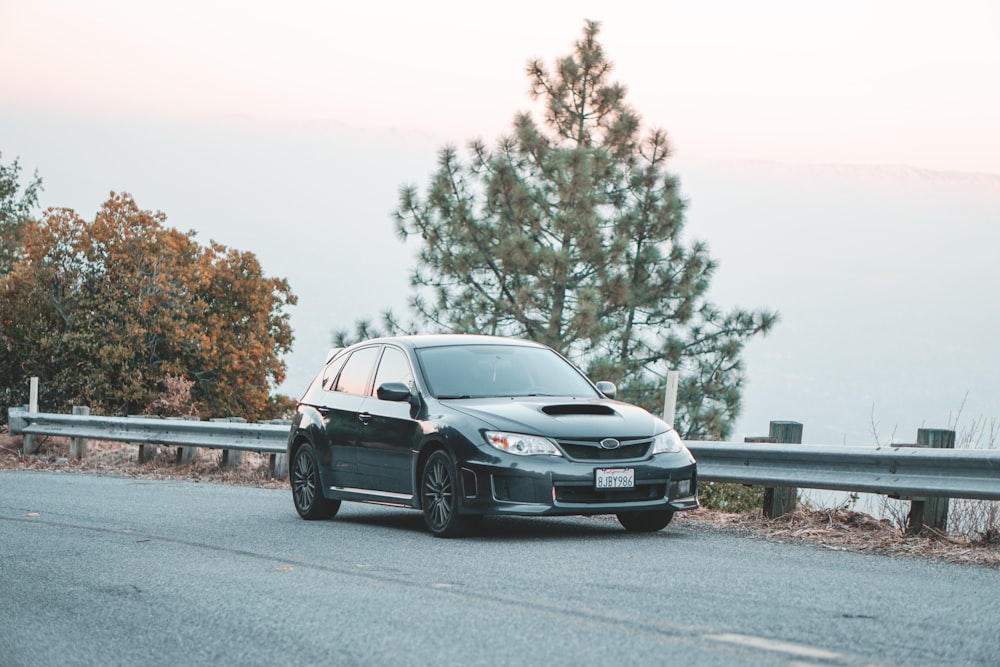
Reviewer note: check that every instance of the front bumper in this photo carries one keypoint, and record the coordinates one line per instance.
(552, 486)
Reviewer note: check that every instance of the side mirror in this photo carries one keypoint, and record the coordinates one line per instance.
(608, 389)
(393, 391)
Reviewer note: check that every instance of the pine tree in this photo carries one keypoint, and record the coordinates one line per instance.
(569, 232)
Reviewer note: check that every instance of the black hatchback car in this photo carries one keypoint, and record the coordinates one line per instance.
(462, 426)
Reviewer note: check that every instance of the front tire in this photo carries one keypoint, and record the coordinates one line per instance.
(307, 489)
(439, 491)
(645, 522)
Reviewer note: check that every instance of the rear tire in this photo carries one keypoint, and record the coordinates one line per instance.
(439, 496)
(649, 521)
(307, 489)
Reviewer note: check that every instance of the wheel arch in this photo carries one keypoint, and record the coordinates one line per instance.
(295, 442)
(301, 437)
(425, 452)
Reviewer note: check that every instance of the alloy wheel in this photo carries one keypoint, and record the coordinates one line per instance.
(304, 480)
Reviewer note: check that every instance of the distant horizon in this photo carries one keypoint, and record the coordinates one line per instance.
(416, 139)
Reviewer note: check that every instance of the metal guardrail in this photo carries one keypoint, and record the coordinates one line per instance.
(899, 471)
(269, 438)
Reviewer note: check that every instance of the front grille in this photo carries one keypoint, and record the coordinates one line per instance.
(588, 494)
(582, 450)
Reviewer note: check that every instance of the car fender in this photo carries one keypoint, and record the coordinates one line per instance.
(456, 437)
(307, 426)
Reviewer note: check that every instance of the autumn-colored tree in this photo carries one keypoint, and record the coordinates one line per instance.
(108, 313)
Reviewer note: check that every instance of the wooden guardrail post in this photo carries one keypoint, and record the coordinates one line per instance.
(185, 454)
(931, 512)
(147, 451)
(779, 501)
(231, 458)
(278, 463)
(670, 397)
(78, 446)
(279, 466)
(30, 444)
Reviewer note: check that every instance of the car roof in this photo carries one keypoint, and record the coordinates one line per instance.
(440, 340)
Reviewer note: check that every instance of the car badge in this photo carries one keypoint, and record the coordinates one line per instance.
(610, 443)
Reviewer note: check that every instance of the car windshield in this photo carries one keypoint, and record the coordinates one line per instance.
(479, 371)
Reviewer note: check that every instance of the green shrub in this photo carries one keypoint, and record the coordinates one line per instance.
(732, 498)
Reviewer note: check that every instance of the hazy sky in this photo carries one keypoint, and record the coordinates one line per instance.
(871, 81)
(262, 123)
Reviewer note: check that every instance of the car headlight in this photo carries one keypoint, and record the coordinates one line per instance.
(525, 445)
(667, 442)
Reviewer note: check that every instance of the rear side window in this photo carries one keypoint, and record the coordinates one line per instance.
(330, 374)
(394, 367)
(357, 371)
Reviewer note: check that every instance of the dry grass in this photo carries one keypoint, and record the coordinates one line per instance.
(839, 529)
(842, 529)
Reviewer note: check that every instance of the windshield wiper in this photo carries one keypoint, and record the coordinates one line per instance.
(453, 398)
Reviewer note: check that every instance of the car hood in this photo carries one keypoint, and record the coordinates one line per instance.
(559, 418)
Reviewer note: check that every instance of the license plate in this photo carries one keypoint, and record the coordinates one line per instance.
(614, 478)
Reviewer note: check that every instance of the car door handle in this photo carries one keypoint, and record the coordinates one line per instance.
(364, 418)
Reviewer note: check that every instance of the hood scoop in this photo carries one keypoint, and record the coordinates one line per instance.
(578, 409)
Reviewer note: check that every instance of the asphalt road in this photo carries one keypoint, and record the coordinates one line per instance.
(112, 571)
